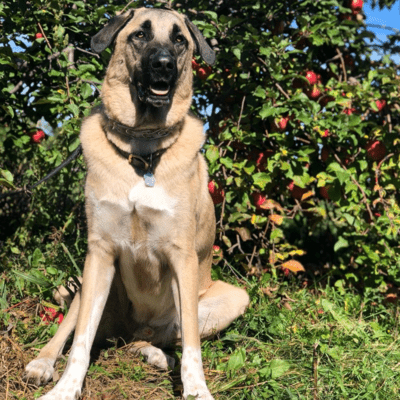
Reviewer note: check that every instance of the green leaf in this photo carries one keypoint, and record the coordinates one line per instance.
(267, 110)
(37, 257)
(75, 143)
(212, 153)
(86, 90)
(236, 51)
(261, 179)
(227, 242)
(341, 244)
(227, 162)
(343, 176)
(38, 280)
(237, 359)
(278, 368)
(74, 108)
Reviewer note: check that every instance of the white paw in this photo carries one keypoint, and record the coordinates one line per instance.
(199, 393)
(158, 358)
(39, 371)
(61, 393)
(194, 383)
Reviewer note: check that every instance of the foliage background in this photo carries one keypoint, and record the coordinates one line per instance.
(350, 231)
(271, 212)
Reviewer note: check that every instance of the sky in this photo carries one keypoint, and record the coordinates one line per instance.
(389, 18)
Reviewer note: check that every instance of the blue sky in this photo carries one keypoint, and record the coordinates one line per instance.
(389, 18)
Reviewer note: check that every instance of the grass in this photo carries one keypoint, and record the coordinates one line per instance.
(296, 341)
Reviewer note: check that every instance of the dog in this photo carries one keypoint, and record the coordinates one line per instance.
(151, 220)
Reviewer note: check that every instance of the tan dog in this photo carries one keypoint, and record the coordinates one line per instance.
(150, 217)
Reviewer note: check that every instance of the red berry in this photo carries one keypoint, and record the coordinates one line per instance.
(326, 133)
(323, 191)
(356, 6)
(376, 150)
(50, 315)
(313, 93)
(345, 17)
(380, 104)
(349, 111)
(217, 193)
(38, 35)
(296, 191)
(258, 199)
(286, 271)
(203, 72)
(260, 158)
(195, 65)
(38, 136)
(312, 77)
(60, 317)
(283, 123)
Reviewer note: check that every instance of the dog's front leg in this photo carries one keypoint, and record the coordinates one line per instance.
(97, 278)
(186, 293)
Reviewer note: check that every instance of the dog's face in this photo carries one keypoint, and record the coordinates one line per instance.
(153, 52)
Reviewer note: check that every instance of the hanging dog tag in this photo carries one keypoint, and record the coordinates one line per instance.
(149, 179)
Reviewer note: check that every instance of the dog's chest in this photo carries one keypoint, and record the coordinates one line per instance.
(142, 215)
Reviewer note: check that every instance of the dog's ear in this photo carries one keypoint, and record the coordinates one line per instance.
(104, 38)
(206, 52)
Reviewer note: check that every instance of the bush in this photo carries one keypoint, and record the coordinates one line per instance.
(302, 146)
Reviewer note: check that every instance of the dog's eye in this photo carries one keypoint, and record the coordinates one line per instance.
(140, 35)
(179, 39)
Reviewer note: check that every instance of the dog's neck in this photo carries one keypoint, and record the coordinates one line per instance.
(135, 140)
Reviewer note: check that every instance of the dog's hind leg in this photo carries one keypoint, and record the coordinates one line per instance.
(40, 370)
(219, 306)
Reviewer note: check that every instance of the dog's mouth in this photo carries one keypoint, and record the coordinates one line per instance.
(159, 89)
(157, 93)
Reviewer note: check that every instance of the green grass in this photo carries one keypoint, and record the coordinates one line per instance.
(294, 342)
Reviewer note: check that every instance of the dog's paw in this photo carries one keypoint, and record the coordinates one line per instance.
(158, 358)
(59, 394)
(199, 393)
(39, 371)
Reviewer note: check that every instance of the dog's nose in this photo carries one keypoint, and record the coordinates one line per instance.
(162, 62)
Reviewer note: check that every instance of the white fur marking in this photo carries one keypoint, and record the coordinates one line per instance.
(192, 375)
(70, 384)
(152, 197)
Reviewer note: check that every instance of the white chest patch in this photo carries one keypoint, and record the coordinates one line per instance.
(153, 197)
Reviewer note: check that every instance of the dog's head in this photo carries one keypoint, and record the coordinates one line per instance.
(152, 54)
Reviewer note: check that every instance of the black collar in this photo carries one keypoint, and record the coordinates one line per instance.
(142, 164)
(129, 132)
